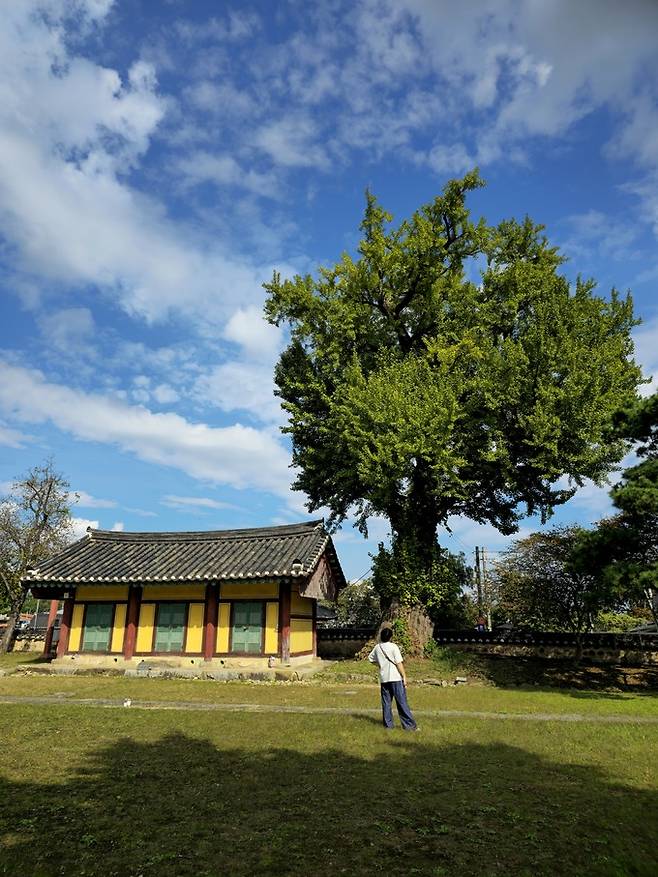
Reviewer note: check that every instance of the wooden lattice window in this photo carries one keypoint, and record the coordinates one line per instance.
(170, 629)
(98, 627)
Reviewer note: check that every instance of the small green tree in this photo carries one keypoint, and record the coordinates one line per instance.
(537, 583)
(358, 605)
(619, 622)
(35, 521)
(416, 392)
(624, 548)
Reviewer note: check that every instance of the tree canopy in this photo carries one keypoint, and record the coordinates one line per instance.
(35, 521)
(449, 368)
(538, 583)
(624, 548)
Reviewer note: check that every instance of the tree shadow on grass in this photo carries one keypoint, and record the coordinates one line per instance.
(182, 806)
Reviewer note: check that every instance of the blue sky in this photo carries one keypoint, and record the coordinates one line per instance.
(159, 160)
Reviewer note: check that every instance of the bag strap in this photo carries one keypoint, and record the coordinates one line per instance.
(386, 656)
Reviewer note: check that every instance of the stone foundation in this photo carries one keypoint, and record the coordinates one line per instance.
(167, 669)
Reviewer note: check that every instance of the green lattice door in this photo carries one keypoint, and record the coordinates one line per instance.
(247, 628)
(170, 630)
(98, 627)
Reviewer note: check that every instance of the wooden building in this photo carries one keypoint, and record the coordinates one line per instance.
(220, 596)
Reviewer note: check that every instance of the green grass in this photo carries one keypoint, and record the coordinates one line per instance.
(324, 694)
(11, 660)
(92, 791)
(504, 671)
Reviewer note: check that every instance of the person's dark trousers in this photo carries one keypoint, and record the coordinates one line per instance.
(396, 690)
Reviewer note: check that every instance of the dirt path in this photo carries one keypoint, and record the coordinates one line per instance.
(116, 703)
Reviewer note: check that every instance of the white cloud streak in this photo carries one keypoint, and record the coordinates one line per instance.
(237, 455)
(185, 503)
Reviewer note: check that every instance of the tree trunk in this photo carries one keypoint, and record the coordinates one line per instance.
(652, 598)
(12, 623)
(420, 628)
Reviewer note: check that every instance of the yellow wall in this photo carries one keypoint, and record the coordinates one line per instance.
(300, 605)
(194, 639)
(174, 592)
(119, 628)
(145, 629)
(301, 635)
(272, 628)
(75, 636)
(223, 627)
(104, 593)
(248, 590)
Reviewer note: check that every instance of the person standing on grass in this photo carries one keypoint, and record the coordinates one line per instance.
(393, 681)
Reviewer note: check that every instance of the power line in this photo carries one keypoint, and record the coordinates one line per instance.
(461, 542)
(363, 575)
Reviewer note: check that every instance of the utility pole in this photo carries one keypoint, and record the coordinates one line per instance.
(478, 579)
(485, 586)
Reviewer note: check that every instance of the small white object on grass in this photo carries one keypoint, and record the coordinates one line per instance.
(127, 702)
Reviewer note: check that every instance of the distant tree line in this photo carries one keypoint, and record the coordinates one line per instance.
(576, 579)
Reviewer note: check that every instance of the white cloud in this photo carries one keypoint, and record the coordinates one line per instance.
(68, 328)
(236, 26)
(79, 527)
(466, 534)
(247, 382)
(241, 386)
(118, 527)
(11, 438)
(185, 503)
(223, 170)
(542, 67)
(591, 499)
(449, 159)
(237, 455)
(221, 98)
(142, 513)
(446, 86)
(70, 132)
(293, 141)
(87, 501)
(645, 338)
(165, 394)
(258, 339)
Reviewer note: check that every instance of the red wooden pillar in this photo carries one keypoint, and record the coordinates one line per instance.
(65, 628)
(50, 626)
(284, 621)
(132, 620)
(210, 627)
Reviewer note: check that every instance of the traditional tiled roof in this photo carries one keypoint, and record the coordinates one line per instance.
(104, 556)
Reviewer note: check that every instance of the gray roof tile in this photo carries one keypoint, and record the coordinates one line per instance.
(107, 556)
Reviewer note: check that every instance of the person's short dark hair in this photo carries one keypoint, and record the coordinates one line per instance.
(386, 634)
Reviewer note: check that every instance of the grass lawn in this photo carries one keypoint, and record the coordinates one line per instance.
(504, 672)
(11, 660)
(92, 791)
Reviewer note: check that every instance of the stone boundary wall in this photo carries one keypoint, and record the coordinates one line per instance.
(29, 641)
(614, 641)
(342, 642)
(605, 648)
(625, 657)
(602, 648)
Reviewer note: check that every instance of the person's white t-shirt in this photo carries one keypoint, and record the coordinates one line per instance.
(388, 672)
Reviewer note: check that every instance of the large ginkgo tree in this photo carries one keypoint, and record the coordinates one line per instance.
(448, 368)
